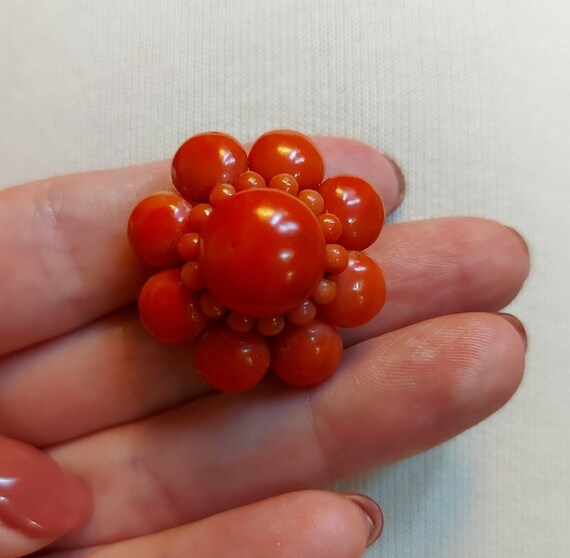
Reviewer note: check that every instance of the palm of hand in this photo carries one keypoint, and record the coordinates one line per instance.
(80, 378)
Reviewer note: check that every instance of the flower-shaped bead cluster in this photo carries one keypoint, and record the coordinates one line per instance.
(260, 259)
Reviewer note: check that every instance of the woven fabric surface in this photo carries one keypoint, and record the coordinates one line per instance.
(471, 97)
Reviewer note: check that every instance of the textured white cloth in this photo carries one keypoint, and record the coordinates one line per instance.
(470, 96)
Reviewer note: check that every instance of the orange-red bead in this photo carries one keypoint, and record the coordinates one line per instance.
(325, 292)
(199, 214)
(285, 182)
(191, 277)
(204, 161)
(232, 361)
(360, 293)
(307, 355)
(221, 193)
(270, 326)
(169, 311)
(239, 323)
(303, 314)
(331, 226)
(247, 180)
(336, 258)
(210, 306)
(313, 200)
(262, 253)
(358, 206)
(155, 226)
(287, 151)
(189, 247)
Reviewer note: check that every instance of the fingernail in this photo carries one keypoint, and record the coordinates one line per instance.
(400, 182)
(517, 324)
(372, 513)
(37, 497)
(520, 238)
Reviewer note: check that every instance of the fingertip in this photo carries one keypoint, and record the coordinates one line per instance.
(349, 156)
(372, 515)
(517, 325)
(39, 501)
(514, 355)
(335, 525)
(521, 240)
(400, 182)
(344, 524)
(499, 347)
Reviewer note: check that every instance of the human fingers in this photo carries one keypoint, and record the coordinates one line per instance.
(39, 501)
(309, 524)
(432, 268)
(64, 240)
(393, 396)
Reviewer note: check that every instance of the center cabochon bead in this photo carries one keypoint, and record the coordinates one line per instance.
(262, 253)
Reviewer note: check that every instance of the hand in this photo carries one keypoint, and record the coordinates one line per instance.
(177, 470)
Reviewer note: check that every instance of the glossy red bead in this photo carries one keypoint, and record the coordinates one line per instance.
(168, 310)
(360, 293)
(199, 214)
(332, 228)
(270, 326)
(211, 306)
(155, 226)
(325, 292)
(308, 355)
(190, 276)
(358, 206)
(189, 246)
(336, 258)
(247, 180)
(290, 152)
(204, 161)
(221, 193)
(262, 253)
(232, 361)
(313, 200)
(286, 183)
(303, 314)
(239, 323)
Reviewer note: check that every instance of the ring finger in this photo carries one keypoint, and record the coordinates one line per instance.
(393, 396)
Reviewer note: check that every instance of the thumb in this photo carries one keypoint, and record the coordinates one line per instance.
(39, 501)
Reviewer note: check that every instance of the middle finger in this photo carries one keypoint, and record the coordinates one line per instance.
(112, 372)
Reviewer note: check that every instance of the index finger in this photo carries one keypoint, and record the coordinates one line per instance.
(66, 258)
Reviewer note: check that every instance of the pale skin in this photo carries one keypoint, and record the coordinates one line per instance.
(177, 470)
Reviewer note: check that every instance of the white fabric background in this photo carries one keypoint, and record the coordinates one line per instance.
(470, 96)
